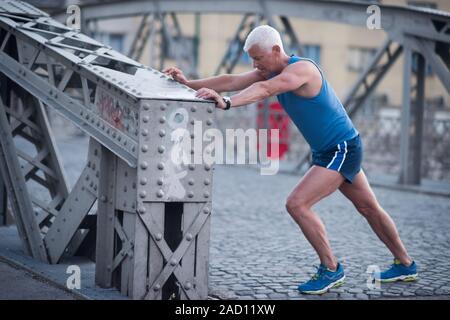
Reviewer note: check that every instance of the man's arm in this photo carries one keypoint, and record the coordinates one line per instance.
(291, 78)
(221, 83)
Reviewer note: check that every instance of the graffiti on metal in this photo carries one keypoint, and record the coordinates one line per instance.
(116, 112)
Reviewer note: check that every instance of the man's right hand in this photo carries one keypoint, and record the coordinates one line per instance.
(176, 75)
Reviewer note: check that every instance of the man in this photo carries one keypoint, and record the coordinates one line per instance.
(313, 106)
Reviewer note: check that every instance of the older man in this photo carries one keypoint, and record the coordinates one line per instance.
(313, 106)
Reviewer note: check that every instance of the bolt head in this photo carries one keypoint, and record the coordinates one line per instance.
(144, 165)
(142, 210)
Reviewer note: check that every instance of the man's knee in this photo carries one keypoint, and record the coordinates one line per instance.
(297, 206)
(368, 209)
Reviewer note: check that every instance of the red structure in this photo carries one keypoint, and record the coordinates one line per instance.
(274, 117)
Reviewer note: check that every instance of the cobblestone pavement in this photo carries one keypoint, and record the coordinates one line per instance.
(258, 252)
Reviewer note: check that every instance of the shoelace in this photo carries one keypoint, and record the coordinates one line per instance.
(320, 271)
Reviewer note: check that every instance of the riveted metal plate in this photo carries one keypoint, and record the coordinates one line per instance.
(169, 131)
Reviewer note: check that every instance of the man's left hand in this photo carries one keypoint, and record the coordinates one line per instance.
(206, 93)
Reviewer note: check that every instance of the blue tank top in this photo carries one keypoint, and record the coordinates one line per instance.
(322, 119)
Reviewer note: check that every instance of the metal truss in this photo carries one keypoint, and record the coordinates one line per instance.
(143, 217)
(167, 27)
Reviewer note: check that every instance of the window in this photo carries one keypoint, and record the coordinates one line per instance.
(114, 40)
(182, 46)
(359, 58)
(312, 51)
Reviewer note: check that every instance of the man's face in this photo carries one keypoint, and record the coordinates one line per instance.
(263, 60)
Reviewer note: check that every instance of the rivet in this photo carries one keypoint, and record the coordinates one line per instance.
(192, 121)
(146, 106)
(173, 262)
(144, 148)
(189, 237)
(160, 166)
(209, 122)
(145, 119)
(162, 107)
(193, 109)
(206, 194)
(206, 182)
(162, 133)
(144, 165)
(160, 194)
(188, 286)
(160, 182)
(161, 149)
(142, 210)
(207, 167)
(158, 237)
(190, 194)
(191, 182)
(206, 210)
(157, 287)
(162, 119)
(191, 167)
(143, 181)
(103, 198)
(209, 109)
(192, 136)
(144, 132)
(143, 194)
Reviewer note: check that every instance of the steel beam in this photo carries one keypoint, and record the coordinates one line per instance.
(396, 20)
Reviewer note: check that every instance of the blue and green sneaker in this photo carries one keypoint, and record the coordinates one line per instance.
(397, 272)
(323, 280)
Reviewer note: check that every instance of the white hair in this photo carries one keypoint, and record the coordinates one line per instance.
(265, 37)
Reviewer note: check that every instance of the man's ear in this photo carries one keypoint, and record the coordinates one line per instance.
(276, 49)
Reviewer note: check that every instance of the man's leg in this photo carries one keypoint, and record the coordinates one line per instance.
(317, 183)
(363, 198)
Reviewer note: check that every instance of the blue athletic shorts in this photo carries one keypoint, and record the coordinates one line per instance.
(345, 157)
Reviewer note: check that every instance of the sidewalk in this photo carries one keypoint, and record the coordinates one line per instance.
(18, 284)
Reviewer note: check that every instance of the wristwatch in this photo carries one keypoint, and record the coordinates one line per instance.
(227, 101)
